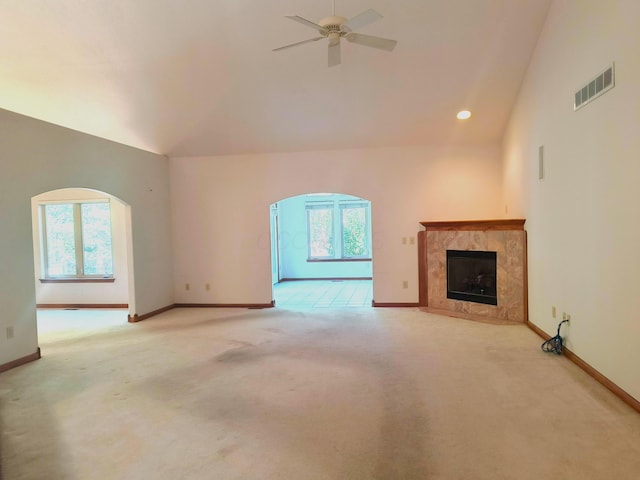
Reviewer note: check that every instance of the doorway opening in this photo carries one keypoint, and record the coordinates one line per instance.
(83, 258)
(321, 251)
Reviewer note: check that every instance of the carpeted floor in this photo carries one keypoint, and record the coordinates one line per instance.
(394, 394)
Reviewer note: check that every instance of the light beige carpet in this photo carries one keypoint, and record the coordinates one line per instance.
(316, 394)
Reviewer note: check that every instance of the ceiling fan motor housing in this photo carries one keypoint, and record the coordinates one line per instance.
(334, 21)
(334, 28)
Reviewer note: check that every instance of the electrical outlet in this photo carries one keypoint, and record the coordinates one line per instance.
(207, 287)
(564, 315)
(405, 284)
(412, 240)
(187, 286)
(568, 317)
(553, 312)
(404, 240)
(9, 332)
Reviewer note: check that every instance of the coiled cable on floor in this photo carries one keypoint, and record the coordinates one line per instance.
(554, 344)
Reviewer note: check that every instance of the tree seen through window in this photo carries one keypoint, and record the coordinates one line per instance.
(77, 242)
(351, 221)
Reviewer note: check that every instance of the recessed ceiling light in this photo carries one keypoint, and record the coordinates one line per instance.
(463, 114)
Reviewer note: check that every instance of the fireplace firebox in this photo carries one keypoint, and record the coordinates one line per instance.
(471, 276)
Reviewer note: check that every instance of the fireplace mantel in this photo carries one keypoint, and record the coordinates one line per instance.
(507, 237)
(474, 225)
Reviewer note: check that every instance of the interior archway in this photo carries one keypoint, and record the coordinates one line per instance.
(323, 243)
(112, 288)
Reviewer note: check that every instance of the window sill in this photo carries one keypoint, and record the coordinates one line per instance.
(78, 280)
(322, 260)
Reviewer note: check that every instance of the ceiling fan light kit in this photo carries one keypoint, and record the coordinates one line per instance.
(336, 27)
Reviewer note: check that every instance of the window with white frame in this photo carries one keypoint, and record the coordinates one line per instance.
(320, 230)
(76, 239)
(354, 223)
(338, 230)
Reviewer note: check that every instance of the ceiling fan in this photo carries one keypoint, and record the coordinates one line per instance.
(336, 27)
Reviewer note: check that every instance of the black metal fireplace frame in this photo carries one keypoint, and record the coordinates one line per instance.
(469, 296)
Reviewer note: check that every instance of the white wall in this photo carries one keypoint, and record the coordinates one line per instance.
(37, 157)
(583, 219)
(220, 211)
(294, 249)
(84, 293)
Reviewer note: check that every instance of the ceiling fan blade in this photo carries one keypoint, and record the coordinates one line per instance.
(371, 41)
(306, 22)
(334, 55)
(362, 19)
(298, 43)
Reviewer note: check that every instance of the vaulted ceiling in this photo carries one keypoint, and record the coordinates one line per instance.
(199, 77)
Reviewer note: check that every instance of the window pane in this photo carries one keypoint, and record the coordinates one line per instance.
(320, 232)
(61, 247)
(96, 239)
(354, 231)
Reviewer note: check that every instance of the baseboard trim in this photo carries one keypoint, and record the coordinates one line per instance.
(393, 305)
(138, 318)
(255, 306)
(20, 361)
(541, 333)
(615, 389)
(332, 279)
(82, 305)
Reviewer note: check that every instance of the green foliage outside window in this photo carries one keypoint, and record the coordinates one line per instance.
(349, 219)
(96, 239)
(78, 239)
(320, 232)
(354, 235)
(61, 245)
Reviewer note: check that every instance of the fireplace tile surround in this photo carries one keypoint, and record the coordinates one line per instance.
(506, 237)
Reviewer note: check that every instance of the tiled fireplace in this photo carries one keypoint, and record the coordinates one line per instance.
(465, 283)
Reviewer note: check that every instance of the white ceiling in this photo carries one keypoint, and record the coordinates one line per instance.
(198, 77)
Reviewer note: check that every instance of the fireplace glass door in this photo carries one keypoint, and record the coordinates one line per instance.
(471, 276)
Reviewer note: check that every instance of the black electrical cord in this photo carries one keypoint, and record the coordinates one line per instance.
(554, 344)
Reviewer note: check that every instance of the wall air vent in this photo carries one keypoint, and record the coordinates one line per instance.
(596, 87)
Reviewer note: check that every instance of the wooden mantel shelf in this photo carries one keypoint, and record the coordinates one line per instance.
(506, 224)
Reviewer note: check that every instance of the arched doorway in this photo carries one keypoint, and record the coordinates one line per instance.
(321, 251)
(82, 250)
